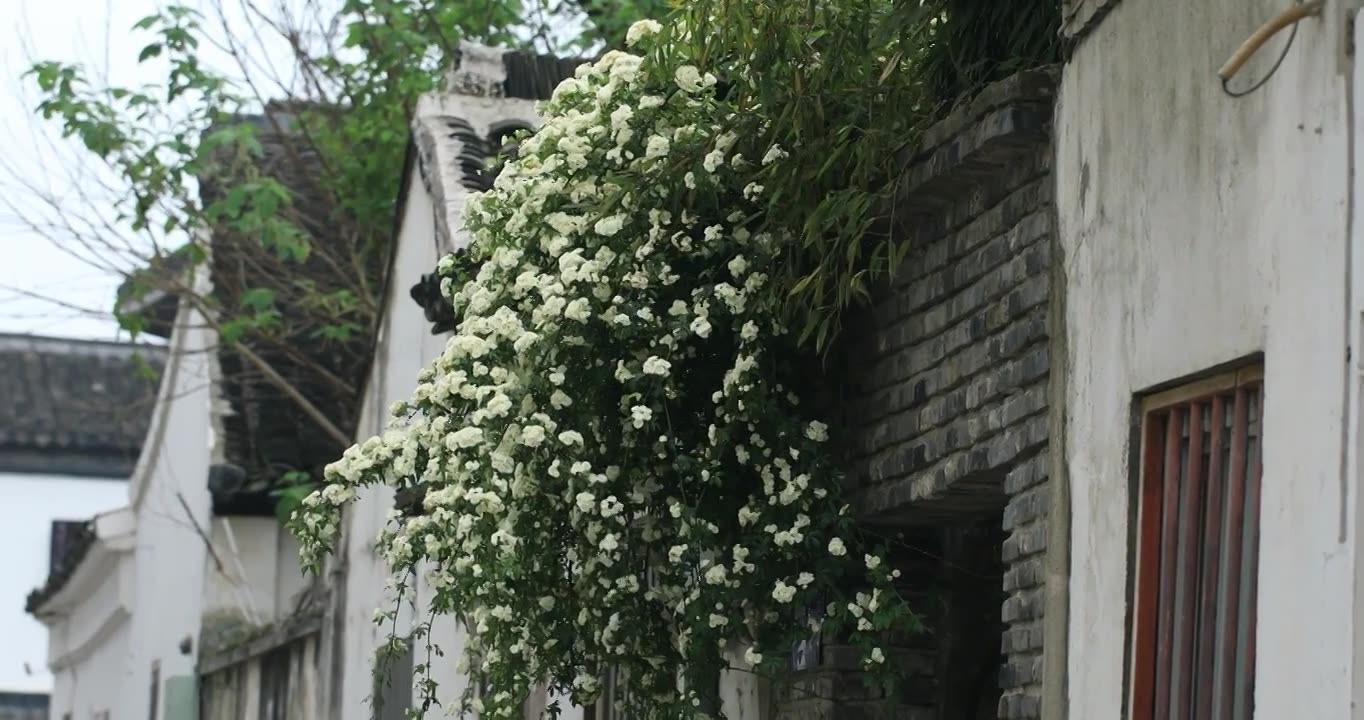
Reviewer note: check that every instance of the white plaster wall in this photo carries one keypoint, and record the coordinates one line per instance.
(95, 601)
(1356, 421)
(171, 501)
(1198, 229)
(88, 623)
(744, 695)
(290, 579)
(28, 505)
(405, 345)
(139, 613)
(261, 579)
(98, 682)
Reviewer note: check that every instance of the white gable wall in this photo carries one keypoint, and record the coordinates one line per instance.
(96, 684)
(406, 345)
(89, 623)
(260, 580)
(171, 501)
(137, 594)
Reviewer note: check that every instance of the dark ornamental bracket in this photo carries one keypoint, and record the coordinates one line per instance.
(480, 159)
(76, 539)
(450, 151)
(438, 310)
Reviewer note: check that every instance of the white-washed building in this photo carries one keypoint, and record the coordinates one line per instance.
(123, 613)
(455, 137)
(75, 413)
(173, 566)
(1211, 257)
(1111, 404)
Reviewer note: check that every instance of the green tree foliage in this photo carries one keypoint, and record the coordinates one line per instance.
(190, 153)
(974, 43)
(855, 82)
(262, 165)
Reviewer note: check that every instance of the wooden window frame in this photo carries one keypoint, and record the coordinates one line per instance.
(1176, 593)
(272, 699)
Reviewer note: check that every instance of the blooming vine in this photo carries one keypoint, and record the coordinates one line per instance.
(616, 465)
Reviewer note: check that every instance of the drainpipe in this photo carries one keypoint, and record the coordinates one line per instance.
(1352, 442)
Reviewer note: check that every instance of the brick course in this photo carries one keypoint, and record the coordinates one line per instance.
(944, 400)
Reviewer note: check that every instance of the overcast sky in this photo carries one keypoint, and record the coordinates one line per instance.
(32, 263)
(91, 31)
(45, 286)
(48, 285)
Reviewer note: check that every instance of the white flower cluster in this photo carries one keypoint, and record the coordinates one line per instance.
(615, 473)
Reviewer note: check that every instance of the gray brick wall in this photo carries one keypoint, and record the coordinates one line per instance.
(944, 389)
(947, 376)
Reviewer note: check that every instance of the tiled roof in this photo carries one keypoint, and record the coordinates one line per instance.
(23, 706)
(534, 77)
(76, 541)
(74, 407)
(526, 76)
(266, 433)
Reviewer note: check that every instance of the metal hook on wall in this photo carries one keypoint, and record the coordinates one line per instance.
(1290, 17)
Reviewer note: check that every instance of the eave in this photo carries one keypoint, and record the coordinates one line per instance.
(89, 565)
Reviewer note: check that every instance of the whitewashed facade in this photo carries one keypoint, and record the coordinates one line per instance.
(90, 645)
(123, 629)
(1204, 232)
(429, 227)
(74, 414)
(28, 506)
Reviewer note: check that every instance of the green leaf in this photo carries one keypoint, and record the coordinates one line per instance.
(232, 330)
(289, 494)
(259, 299)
